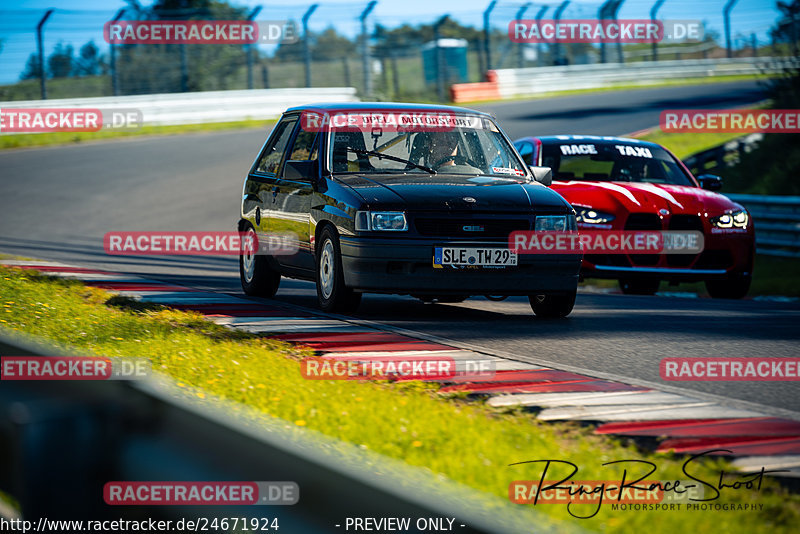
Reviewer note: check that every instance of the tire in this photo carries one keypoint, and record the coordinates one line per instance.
(332, 294)
(639, 287)
(258, 278)
(733, 288)
(552, 306)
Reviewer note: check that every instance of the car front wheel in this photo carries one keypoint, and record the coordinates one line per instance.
(552, 306)
(332, 293)
(258, 278)
(733, 288)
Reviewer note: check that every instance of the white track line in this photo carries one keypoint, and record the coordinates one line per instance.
(698, 410)
(606, 398)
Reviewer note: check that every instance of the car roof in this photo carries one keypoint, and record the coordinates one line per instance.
(384, 106)
(598, 139)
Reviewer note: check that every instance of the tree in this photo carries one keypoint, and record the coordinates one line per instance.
(407, 39)
(31, 68)
(288, 52)
(88, 62)
(60, 62)
(169, 68)
(330, 45)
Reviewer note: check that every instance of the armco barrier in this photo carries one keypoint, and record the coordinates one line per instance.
(509, 83)
(777, 222)
(210, 106)
(62, 440)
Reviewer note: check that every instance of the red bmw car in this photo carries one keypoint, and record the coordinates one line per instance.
(626, 184)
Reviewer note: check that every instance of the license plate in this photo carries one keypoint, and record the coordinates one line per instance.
(473, 257)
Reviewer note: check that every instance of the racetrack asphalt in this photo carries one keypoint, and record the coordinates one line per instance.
(56, 203)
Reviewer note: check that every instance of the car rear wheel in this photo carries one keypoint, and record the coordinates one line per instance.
(552, 306)
(733, 288)
(332, 293)
(258, 278)
(639, 287)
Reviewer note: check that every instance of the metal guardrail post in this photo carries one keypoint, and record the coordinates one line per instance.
(113, 52)
(487, 34)
(40, 48)
(306, 44)
(653, 15)
(557, 46)
(538, 18)
(726, 15)
(441, 64)
(614, 14)
(518, 16)
(253, 14)
(365, 48)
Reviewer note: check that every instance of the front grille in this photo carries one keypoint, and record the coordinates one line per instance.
(682, 222)
(476, 228)
(643, 221)
(685, 222)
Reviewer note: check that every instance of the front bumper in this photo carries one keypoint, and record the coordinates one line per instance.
(405, 266)
(723, 257)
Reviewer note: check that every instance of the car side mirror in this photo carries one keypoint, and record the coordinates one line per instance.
(543, 175)
(710, 182)
(300, 170)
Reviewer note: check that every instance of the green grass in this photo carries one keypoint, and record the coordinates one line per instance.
(771, 276)
(14, 257)
(68, 138)
(82, 87)
(461, 440)
(684, 145)
(776, 276)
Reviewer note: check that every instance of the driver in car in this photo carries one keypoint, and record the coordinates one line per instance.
(443, 149)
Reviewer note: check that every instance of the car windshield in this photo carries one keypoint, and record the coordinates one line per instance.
(586, 160)
(452, 144)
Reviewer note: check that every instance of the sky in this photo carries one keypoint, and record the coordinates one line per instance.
(77, 21)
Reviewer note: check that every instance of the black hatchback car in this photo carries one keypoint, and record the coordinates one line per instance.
(405, 199)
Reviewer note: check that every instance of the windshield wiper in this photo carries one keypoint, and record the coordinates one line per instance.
(379, 155)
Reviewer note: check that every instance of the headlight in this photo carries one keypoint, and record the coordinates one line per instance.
(736, 219)
(381, 221)
(555, 223)
(590, 216)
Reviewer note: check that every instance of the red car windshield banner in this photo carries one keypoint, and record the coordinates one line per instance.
(388, 121)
